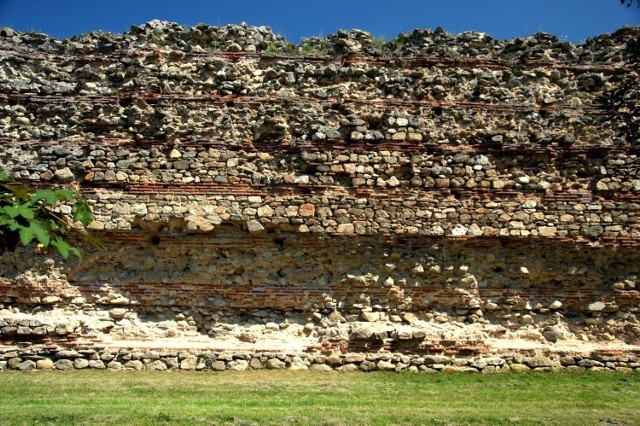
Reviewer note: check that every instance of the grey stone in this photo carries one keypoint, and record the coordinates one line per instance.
(587, 363)
(8, 331)
(256, 364)
(65, 174)
(567, 361)
(320, 367)
(26, 365)
(238, 365)
(44, 364)
(539, 361)
(519, 368)
(218, 366)
(592, 231)
(436, 359)
(556, 304)
(171, 362)
(274, 364)
(68, 354)
(347, 368)
(115, 365)
(334, 360)
(157, 365)
(181, 164)
(63, 364)
(189, 363)
(117, 313)
(385, 366)
(97, 364)
(552, 334)
(13, 363)
(298, 363)
(80, 363)
(153, 355)
(597, 306)
(364, 332)
(254, 226)
(134, 365)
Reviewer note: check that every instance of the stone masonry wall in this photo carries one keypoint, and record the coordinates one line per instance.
(435, 195)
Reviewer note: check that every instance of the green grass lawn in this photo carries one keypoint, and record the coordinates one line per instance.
(304, 398)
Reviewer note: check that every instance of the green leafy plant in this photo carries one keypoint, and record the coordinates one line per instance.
(307, 48)
(289, 48)
(378, 43)
(314, 45)
(214, 46)
(31, 215)
(272, 48)
(398, 42)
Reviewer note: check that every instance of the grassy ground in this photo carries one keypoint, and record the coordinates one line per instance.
(304, 398)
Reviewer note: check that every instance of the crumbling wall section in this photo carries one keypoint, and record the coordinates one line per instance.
(433, 194)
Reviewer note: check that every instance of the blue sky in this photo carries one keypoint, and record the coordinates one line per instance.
(573, 20)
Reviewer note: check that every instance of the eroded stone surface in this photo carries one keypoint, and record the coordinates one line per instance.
(434, 196)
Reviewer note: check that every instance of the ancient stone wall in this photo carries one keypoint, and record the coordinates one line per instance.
(434, 195)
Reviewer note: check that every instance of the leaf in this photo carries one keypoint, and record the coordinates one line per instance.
(25, 210)
(42, 233)
(54, 225)
(37, 230)
(26, 235)
(45, 194)
(10, 211)
(65, 194)
(75, 251)
(97, 242)
(28, 210)
(53, 197)
(11, 223)
(20, 192)
(63, 247)
(83, 213)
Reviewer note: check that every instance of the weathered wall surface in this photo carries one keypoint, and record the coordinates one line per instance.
(436, 194)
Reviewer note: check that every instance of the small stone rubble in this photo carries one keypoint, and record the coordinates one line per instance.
(437, 202)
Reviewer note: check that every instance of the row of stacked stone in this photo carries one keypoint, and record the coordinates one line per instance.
(125, 359)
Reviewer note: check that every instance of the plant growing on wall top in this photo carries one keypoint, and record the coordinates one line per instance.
(629, 3)
(30, 215)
